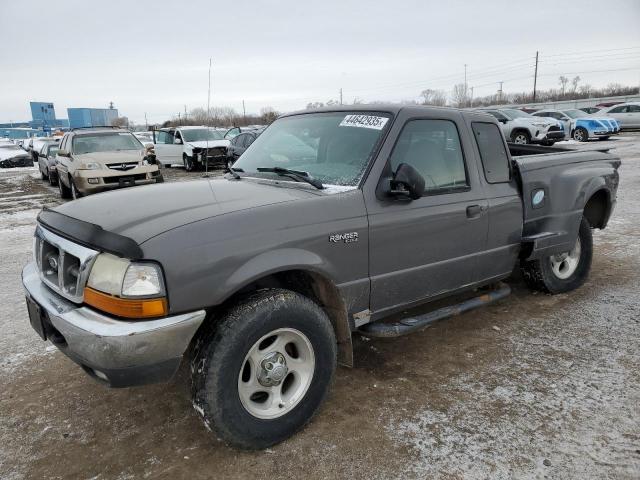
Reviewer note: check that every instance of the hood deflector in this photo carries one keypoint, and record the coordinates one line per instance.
(89, 234)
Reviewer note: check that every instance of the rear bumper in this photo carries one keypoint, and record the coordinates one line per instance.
(116, 352)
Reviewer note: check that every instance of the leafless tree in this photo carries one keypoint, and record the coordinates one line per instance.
(268, 115)
(563, 84)
(574, 84)
(434, 97)
(120, 122)
(459, 95)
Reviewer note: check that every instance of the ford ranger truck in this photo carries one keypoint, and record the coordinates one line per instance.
(332, 222)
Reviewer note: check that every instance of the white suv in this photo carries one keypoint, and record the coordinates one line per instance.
(520, 127)
(190, 146)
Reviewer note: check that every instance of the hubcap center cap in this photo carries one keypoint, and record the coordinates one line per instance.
(273, 369)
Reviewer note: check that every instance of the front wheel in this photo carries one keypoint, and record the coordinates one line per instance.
(263, 370)
(562, 272)
(188, 163)
(65, 192)
(521, 138)
(580, 135)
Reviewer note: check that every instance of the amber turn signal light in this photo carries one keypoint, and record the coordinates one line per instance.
(126, 307)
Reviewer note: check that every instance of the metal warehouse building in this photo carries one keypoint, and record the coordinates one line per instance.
(91, 117)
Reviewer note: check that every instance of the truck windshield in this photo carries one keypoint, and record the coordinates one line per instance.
(200, 134)
(333, 147)
(109, 142)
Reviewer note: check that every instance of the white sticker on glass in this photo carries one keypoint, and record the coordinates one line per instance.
(364, 121)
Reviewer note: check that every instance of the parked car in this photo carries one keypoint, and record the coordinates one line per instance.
(627, 114)
(14, 156)
(38, 143)
(239, 144)
(590, 109)
(146, 138)
(582, 127)
(607, 104)
(91, 160)
(522, 128)
(235, 131)
(262, 276)
(47, 162)
(192, 147)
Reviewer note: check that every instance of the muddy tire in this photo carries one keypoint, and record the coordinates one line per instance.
(261, 371)
(562, 273)
(75, 193)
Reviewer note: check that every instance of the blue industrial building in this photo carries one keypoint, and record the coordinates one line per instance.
(43, 115)
(91, 117)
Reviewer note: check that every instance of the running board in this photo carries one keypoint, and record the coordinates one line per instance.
(381, 329)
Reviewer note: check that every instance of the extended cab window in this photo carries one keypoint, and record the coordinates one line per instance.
(495, 160)
(433, 148)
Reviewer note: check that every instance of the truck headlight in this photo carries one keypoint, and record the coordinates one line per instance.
(126, 289)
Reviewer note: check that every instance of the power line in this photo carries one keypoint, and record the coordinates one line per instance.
(591, 51)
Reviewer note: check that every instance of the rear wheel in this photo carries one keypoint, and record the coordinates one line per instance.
(562, 272)
(520, 137)
(262, 371)
(53, 179)
(580, 135)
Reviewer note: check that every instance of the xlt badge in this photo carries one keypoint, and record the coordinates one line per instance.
(348, 237)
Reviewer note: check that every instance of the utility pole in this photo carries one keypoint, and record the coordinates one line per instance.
(244, 112)
(535, 78)
(185, 113)
(340, 96)
(500, 91)
(179, 119)
(146, 123)
(471, 99)
(465, 79)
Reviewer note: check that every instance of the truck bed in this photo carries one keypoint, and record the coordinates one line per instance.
(567, 180)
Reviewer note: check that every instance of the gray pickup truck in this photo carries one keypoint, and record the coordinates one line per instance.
(332, 222)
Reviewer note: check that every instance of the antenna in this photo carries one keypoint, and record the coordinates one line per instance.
(206, 154)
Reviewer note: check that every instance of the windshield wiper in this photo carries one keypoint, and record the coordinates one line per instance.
(300, 176)
(234, 172)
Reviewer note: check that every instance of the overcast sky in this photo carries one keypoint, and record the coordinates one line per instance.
(153, 56)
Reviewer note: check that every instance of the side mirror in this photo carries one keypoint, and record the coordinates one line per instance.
(63, 153)
(177, 141)
(407, 182)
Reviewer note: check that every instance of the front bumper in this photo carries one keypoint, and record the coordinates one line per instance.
(117, 352)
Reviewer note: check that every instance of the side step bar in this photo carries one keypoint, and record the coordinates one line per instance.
(380, 329)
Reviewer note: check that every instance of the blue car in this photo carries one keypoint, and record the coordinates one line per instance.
(581, 126)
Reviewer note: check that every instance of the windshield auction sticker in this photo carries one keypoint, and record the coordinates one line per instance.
(364, 121)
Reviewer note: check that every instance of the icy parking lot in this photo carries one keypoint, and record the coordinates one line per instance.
(535, 386)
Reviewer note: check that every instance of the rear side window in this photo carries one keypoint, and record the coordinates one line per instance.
(495, 160)
(433, 148)
(164, 137)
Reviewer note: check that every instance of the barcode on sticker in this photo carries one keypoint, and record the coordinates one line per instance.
(364, 121)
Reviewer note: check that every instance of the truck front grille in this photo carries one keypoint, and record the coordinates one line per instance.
(64, 266)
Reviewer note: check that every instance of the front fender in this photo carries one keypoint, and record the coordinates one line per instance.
(268, 263)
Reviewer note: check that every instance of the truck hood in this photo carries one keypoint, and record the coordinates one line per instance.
(107, 158)
(141, 213)
(211, 143)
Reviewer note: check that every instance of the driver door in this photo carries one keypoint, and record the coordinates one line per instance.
(167, 151)
(422, 248)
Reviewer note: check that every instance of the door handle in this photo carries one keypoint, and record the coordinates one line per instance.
(474, 211)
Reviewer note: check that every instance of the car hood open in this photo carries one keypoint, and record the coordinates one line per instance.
(141, 213)
(210, 144)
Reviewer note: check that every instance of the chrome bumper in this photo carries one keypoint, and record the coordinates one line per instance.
(119, 353)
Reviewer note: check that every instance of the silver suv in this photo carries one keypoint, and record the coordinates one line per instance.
(96, 159)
